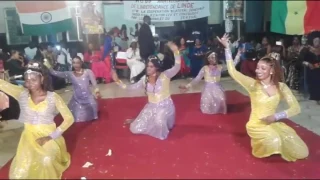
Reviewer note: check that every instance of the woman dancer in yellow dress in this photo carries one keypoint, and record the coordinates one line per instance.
(41, 152)
(268, 135)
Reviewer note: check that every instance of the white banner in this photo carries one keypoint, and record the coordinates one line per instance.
(162, 11)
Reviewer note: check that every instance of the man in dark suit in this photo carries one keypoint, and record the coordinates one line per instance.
(146, 44)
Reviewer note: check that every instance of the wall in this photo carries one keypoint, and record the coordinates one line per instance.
(3, 5)
(216, 13)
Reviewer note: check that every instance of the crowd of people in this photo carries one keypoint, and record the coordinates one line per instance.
(299, 60)
(42, 152)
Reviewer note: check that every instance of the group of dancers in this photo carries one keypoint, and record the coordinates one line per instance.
(42, 152)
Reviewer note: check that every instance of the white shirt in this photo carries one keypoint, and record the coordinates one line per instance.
(31, 53)
(61, 59)
(133, 55)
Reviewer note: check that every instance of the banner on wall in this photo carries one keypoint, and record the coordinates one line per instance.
(233, 9)
(164, 11)
(91, 17)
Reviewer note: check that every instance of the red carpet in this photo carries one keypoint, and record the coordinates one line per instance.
(200, 146)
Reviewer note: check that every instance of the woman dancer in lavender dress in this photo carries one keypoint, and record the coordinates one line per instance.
(158, 116)
(83, 103)
(213, 99)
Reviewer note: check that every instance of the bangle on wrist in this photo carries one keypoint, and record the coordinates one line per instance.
(280, 115)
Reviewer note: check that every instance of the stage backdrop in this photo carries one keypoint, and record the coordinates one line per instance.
(166, 10)
(92, 17)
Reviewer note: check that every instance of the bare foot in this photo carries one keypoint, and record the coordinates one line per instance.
(128, 121)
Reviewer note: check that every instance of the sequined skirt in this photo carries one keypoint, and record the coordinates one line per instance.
(213, 99)
(84, 111)
(276, 138)
(33, 161)
(155, 119)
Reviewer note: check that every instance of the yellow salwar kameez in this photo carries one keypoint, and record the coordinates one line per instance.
(33, 161)
(277, 137)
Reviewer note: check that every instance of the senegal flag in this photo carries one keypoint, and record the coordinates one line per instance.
(44, 17)
(295, 17)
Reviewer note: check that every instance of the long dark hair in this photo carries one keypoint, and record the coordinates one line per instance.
(39, 56)
(277, 75)
(47, 83)
(177, 41)
(157, 63)
(123, 27)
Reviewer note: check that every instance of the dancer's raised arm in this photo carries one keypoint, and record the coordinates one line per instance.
(64, 74)
(235, 62)
(177, 65)
(11, 89)
(243, 80)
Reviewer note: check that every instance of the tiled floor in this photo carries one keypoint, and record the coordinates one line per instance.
(9, 135)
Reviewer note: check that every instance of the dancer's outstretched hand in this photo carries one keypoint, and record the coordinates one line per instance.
(128, 121)
(269, 119)
(115, 77)
(225, 40)
(240, 51)
(174, 48)
(183, 88)
(47, 64)
(98, 95)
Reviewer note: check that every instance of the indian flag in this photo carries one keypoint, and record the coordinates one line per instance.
(44, 17)
(295, 17)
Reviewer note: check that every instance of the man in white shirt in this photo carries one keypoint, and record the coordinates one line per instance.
(30, 51)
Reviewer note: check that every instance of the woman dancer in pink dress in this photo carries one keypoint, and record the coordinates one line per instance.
(157, 118)
(213, 98)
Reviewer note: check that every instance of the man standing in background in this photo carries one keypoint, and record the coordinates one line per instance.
(146, 44)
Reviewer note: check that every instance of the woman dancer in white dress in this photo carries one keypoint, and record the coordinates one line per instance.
(157, 117)
(133, 60)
